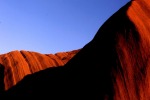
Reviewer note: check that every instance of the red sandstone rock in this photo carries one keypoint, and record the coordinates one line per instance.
(115, 65)
(18, 64)
(134, 55)
(121, 49)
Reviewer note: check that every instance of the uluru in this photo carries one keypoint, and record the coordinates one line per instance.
(17, 64)
(114, 65)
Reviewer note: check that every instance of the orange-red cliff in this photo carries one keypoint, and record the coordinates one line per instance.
(18, 64)
(121, 49)
(115, 65)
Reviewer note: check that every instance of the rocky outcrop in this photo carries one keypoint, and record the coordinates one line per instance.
(120, 55)
(18, 64)
(115, 65)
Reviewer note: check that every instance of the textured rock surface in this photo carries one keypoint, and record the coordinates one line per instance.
(18, 64)
(122, 46)
(115, 65)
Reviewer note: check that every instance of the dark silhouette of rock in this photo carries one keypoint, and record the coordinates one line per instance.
(113, 66)
(2, 85)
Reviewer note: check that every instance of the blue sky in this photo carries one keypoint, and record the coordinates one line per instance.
(50, 26)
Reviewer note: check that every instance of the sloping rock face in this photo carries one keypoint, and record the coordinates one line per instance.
(115, 65)
(120, 55)
(18, 64)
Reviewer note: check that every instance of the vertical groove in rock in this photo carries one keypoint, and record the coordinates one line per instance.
(18, 64)
(115, 65)
(55, 60)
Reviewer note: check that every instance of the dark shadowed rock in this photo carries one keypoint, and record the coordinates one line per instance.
(115, 65)
(2, 85)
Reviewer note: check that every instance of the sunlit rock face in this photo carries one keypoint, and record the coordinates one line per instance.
(115, 65)
(120, 55)
(132, 78)
(18, 64)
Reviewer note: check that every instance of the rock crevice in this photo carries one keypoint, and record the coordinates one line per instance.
(18, 64)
